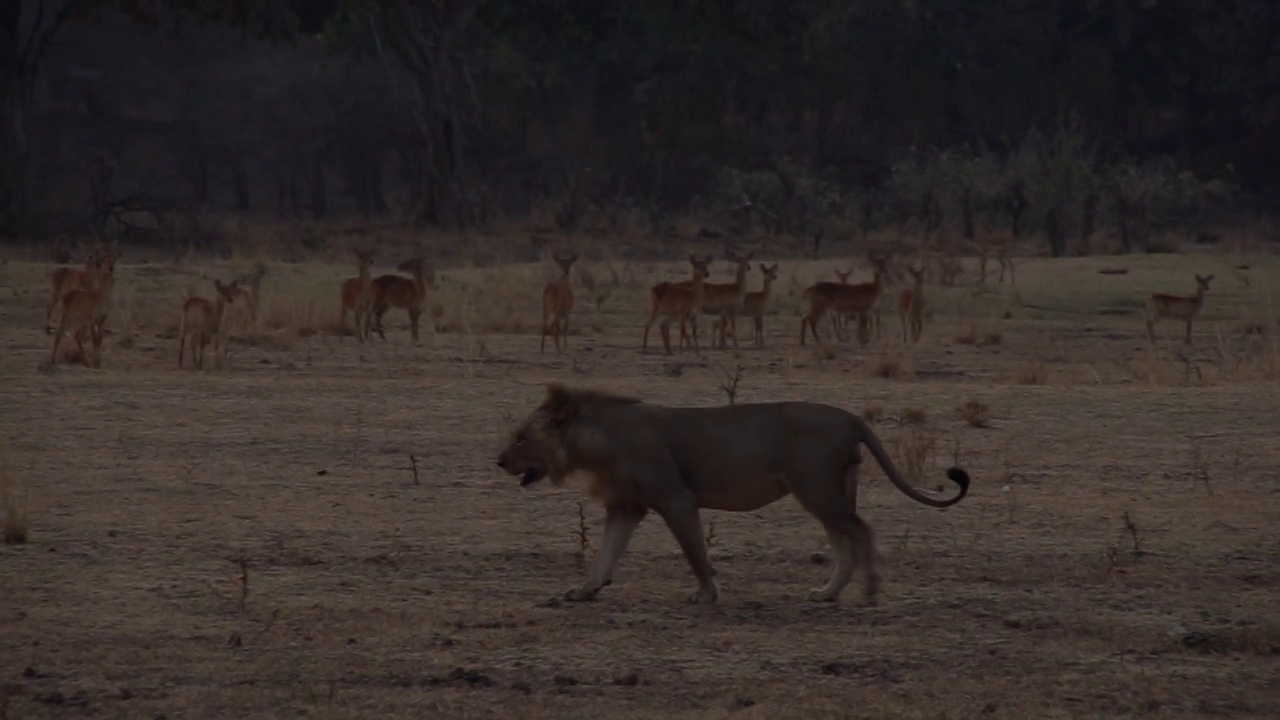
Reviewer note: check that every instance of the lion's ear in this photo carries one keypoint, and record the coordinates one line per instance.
(561, 402)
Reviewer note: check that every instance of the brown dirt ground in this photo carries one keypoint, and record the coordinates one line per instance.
(252, 543)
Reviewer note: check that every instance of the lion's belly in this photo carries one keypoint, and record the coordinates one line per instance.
(742, 494)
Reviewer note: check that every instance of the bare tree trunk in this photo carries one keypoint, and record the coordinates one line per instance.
(425, 40)
(240, 187)
(319, 192)
(22, 48)
(15, 157)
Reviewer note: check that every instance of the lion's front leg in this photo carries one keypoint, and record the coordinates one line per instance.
(619, 523)
(686, 526)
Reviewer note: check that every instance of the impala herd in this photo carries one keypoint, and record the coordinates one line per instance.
(84, 295)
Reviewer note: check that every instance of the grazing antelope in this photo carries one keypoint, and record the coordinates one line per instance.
(858, 299)
(911, 304)
(724, 300)
(1176, 307)
(357, 296)
(755, 304)
(675, 301)
(245, 308)
(400, 292)
(87, 309)
(999, 244)
(557, 301)
(66, 279)
(203, 320)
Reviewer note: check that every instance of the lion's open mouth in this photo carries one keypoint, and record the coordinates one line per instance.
(531, 476)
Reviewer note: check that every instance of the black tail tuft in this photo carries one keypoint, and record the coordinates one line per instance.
(959, 477)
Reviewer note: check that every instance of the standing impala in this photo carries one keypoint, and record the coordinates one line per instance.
(87, 310)
(204, 320)
(557, 301)
(357, 296)
(678, 302)
(65, 279)
(400, 292)
(1176, 307)
(724, 300)
(1000, 245)
(755, 304)
(860, 299)
(911, 304)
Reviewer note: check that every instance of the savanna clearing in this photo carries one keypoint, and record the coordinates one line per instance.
(256, 542)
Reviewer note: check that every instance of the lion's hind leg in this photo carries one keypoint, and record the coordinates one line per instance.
(852, 544)
(842, 550)
(852, 541)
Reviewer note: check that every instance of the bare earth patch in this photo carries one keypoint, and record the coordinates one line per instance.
(251, 543)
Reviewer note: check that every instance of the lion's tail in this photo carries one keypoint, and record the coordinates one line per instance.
(955, 474)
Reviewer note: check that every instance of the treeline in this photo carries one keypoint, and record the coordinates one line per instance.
(810, 117)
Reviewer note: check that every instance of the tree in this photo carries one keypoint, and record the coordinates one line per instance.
(29, 28)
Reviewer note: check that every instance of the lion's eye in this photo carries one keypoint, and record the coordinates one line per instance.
(520, 439)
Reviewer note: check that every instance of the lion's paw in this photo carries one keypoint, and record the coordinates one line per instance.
(821, 595)
(580, 595)
(704, 597)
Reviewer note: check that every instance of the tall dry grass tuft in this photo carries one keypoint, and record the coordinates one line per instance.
(496, 300)
(914, 448)
(14, 497)
(976, 414)
(891, 367)
(873, 412)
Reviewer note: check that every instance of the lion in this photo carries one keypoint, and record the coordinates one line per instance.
(638, 457)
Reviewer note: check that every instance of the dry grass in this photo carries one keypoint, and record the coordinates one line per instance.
(974, 413)
(890, 367)
(873, 412)
(254, 544)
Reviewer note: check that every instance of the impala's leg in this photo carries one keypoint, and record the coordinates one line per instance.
(84, 356)
(96, 333)
(57, 340)
(48, 311)
(1188, 338)
(758, 321)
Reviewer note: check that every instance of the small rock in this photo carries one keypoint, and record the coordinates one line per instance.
(564, 680)
(628, 680)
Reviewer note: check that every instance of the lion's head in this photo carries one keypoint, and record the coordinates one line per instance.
(557, 437)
